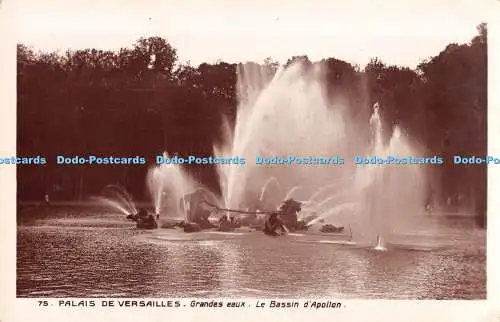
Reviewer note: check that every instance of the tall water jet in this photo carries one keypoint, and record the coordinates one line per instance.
(380, 244)
(377, 201)
(287, 114)
(394, 194)
(168, 184)
(155, 186)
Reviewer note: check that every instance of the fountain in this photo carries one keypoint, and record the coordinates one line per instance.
(168, 184)
(266, 186)
(272, 117)
(380, 244)
(118, 198)
(291, 115)
(394, 195)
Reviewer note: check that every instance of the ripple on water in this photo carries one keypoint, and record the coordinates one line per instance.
(117, 262)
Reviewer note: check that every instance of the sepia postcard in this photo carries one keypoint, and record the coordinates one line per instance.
(222, 160)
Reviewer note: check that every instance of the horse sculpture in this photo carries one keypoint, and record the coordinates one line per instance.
(288, 213)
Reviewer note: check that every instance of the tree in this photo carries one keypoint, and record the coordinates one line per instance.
(155, 53)
(139, 100)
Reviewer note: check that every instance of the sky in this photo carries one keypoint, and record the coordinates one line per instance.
(399, 32)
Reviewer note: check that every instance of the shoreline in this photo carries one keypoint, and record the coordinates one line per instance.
(23, 205)
(75, 203)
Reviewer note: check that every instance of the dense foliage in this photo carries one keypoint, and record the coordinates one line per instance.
(123, 103)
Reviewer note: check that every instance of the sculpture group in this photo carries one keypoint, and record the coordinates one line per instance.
(199, 212)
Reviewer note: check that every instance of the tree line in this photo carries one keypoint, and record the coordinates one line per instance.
(124, 103)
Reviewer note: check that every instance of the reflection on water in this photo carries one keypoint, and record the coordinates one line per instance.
(101, 260)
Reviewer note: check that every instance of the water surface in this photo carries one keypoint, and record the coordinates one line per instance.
(77, 253)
